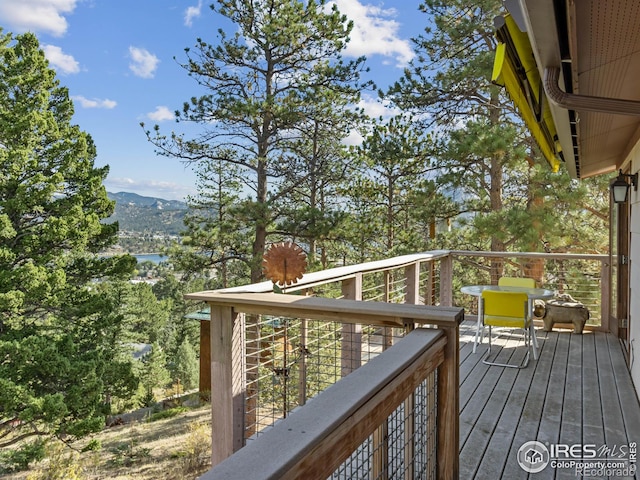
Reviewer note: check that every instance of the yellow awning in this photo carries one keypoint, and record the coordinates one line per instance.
(515, 69)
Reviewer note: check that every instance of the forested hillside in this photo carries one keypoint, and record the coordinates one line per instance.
(136, 213)
(145, 224)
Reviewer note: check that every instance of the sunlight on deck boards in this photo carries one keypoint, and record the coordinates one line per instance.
(578, 392)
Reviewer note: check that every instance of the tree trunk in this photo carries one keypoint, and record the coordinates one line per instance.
(495, 196)
(262, 220)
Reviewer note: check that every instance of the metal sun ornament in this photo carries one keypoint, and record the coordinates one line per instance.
(284, 263)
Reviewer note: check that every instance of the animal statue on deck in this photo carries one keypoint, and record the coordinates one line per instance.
(562, 309)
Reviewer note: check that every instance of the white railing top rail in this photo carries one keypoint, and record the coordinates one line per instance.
(336, 274)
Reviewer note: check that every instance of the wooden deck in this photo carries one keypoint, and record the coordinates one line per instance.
(578, 392)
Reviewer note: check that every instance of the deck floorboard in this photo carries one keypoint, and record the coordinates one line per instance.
(577, 392)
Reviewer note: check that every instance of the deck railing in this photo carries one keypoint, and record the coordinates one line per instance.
(379, 422)
(266, 354)
(229, 399)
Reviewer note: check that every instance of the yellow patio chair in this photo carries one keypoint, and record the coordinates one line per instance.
(517, 282)
(509, 310)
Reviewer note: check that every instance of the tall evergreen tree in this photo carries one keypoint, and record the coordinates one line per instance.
(216, 238)
(313, 208)
(395, 181)
(259, 83)
(485, 156)
(448, 85)
(185, 366)
(154, 373)
(171, 290)
(57, 365)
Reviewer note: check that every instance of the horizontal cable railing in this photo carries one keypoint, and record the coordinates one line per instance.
(584, 277)
(288, 360)
(314, 280)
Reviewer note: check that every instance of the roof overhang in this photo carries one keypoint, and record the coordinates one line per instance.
(594, 47)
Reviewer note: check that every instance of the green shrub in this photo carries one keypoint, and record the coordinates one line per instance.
(93, 446)
(170, 413)
(196, 454)
(63, 464)
(19, 459)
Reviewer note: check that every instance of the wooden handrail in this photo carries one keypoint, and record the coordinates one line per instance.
(226, 343)
(340, 310)
(227, 356)
(315, 440)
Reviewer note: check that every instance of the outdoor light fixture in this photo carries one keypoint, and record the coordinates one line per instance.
(620, 187)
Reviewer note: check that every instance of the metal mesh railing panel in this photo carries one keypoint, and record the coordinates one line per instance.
(290, 360)
(404, 447)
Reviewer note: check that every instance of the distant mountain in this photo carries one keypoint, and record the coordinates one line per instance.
(133, 199)
(149, 215)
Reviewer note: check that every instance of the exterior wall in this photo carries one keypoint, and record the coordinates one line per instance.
(634, 273)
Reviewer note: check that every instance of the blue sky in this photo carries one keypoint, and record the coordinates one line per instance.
(117, 59)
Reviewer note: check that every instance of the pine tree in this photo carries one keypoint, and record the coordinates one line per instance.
(313, 208)
(260, 82)
(485, 157)
(448, 84)
(154, 373)
(395, 182)
(54, 325)
(185, 367)
(216, 241)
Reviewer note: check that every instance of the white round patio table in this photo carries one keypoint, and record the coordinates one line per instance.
(532, 294)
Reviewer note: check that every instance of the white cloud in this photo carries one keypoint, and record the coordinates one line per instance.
(374, 107)
(375, 32)
(354, 138)
(160, 114)
(191, 13)
(37, 15)
(143, 63)
(61, 61)
(94, 102)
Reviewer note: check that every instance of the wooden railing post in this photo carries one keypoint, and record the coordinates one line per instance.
(605, 295)
(412, 282)
(302, 359)
(302, 362)
(227, 381)
(446, 281)
(387, 333)
(205, 359)
(352, 287)
(351, 350)
(412, 275)
(449, 408)
(430, 287)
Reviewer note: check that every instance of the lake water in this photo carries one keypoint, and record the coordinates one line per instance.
(151, 257)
